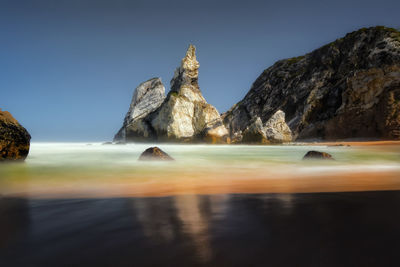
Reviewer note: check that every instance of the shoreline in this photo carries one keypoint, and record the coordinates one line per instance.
(218, 184)
(354, 143)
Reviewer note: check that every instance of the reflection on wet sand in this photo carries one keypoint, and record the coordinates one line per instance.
(321, 229)
(14, 217)
(195, 213)
(192, 213)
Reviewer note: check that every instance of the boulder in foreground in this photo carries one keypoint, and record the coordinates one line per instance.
(14, 139)
(155, 153)
(317, 155)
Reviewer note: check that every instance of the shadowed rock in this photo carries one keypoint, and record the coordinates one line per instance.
(317, 155)
(255, 133)
(14, 139)
(154, 153)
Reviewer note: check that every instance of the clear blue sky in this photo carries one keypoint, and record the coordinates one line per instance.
(68, 68)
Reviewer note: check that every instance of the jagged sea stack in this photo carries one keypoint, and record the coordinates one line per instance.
(349, 88)
(183, 116)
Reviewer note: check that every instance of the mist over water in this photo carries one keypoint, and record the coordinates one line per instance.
(87, 168)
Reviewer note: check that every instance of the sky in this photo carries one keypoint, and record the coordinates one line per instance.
(68, 68)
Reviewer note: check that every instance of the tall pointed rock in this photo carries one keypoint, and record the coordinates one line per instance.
(185, 115)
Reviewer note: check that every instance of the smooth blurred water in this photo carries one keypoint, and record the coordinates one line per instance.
(97, 155)
(52, 162)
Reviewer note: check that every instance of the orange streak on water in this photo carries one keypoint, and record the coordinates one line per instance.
(212, 184)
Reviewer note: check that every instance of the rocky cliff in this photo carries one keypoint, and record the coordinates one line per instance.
(349, 88)
(183, 116)
(14, 139)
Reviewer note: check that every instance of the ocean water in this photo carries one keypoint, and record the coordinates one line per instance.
(91, 168)
(75, 204)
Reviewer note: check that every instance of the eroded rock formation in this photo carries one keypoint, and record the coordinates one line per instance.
(184, 115)
(147, 97)
(14, 139)
(274, 131)
(349, 88)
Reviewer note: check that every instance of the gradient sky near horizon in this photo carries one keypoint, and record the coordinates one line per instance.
(68, 68)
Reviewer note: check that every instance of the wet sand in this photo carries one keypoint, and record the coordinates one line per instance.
(318, 229)
(212, 183)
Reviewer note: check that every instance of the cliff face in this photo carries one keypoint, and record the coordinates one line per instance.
(183, 116)
(349, 88)
(14, 139)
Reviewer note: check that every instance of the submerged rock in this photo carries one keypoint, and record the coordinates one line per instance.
(154, 153)
(14, 139)
(183, 116)
(147, 97)
(317, 155)
(349, 88)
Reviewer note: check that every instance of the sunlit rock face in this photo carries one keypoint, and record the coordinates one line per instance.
(275, 130)
(183, 116)
(14, 139)
(349, 88)
(147, 97)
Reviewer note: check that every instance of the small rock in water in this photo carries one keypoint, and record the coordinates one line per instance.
(119, 143)
(154, 153)
(107, 143)
(317, 155)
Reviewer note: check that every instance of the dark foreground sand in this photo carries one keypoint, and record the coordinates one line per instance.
(313, 229)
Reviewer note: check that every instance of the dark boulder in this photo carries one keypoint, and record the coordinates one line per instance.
(154, 153)
(317, 155)
(14, 139)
